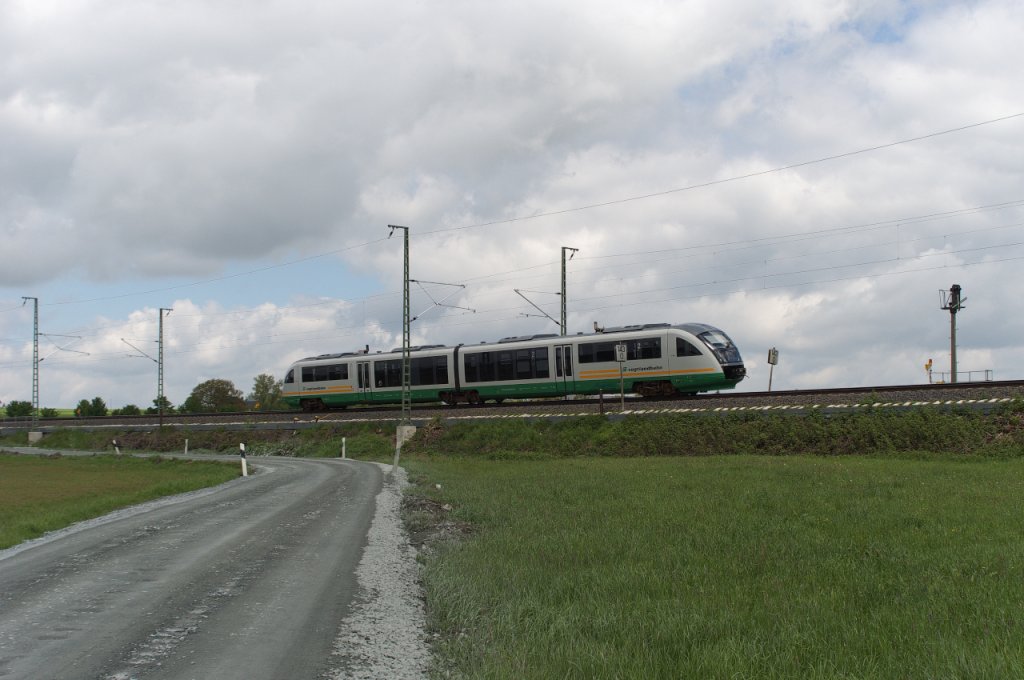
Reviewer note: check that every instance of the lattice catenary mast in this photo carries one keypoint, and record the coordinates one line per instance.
(406, 368)
(35, 356)
(574, 251)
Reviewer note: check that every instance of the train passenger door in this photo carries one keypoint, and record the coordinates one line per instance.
(563, 369)
(363, 383)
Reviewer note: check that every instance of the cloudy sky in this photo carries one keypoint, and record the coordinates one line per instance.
(804, 174)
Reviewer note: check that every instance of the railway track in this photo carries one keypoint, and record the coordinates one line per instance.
(992, 392)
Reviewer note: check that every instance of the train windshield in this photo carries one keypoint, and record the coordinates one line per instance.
(722, 346)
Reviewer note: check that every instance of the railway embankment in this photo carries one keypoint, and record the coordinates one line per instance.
(868, 430)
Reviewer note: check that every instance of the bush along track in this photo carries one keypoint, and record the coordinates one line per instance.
(871, 431)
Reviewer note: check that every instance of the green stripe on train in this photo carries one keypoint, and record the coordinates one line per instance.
(525, 390)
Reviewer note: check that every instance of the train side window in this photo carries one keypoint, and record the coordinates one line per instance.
(337, 372)
(524, 368)
(596, 352)
(506, 369)
(604, 351)
(586, 353)
(488, 367)
(290, 378)
(421, 372)
(308, 374)
(647, 348)
(387, 373)
(686, 349)
(540, 363)
(471, 364)
(430, 371)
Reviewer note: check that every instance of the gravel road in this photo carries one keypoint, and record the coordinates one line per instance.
(274, 576)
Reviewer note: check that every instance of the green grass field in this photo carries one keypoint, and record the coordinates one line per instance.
(40, 494)
(729, 567)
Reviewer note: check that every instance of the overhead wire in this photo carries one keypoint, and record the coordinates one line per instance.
(644, 294)
(221, 319)
(725, 180)
(553, 213)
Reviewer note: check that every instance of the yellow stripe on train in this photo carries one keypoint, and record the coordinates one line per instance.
(341, 389)
(614, 373)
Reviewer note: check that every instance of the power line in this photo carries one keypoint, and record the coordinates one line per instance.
(553, 213)
(803, 235)
(852, 277)
(331, 335)
(726, 180)
(213, 321)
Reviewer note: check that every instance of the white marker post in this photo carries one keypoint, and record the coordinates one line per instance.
(773, 361)
(343, 447)
(621, 355)
(186, 447)
(117, 449)
(245, 469)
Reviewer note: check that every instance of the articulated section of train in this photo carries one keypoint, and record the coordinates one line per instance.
(661, 359)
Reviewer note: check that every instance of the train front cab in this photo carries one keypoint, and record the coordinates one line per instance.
(661, 360)
(720, 350)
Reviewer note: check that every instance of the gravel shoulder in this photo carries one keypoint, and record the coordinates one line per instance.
(383, 636)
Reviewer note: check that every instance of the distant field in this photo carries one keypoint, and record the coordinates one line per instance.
(61, 413)
(43, 494)
(728, 567)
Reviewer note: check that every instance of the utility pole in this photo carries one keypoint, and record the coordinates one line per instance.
(160, 365)
(574, 251)
(159, 361)
(35, 357)
(954, 303)
(406, 367)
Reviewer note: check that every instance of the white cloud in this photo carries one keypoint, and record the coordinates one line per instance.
(148, 143)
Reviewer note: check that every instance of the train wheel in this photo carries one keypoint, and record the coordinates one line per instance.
(662, 388)
(311, 405)
(473, 397)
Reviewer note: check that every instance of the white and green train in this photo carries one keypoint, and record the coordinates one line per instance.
(659, 359)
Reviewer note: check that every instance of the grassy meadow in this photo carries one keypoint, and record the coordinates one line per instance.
(40, 494)
(876, 545)
(729, 567)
